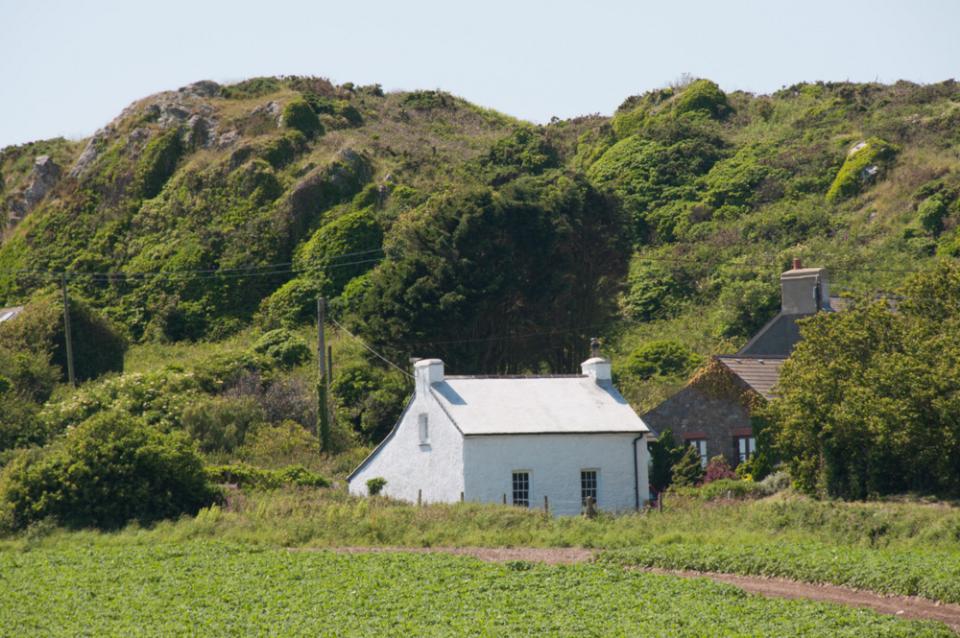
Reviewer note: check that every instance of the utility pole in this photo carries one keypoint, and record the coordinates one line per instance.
(67, 335)
(323, 383)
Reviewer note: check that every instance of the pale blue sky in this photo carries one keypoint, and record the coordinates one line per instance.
(67, 68)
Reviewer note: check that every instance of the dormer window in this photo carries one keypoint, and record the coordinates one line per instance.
(424, 429)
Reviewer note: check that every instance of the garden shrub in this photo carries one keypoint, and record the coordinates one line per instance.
(688, 471)
(108, 471)
(718, 468)
(724, 488)
(283, 348)
(298, 115)
(376, 485)
(746, 305)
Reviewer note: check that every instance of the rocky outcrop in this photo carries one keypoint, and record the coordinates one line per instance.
(44, 176)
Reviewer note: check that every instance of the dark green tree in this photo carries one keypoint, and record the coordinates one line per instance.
(542, 255)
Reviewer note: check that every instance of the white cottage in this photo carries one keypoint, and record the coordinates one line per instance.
(514, 439)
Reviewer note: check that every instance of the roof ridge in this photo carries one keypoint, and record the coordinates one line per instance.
(515, 376)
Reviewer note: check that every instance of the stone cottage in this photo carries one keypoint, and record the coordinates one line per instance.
(712, 412)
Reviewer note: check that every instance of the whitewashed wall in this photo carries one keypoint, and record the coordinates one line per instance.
(408, 466)
(554, 462)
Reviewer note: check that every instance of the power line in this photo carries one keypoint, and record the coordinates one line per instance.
(371, 350)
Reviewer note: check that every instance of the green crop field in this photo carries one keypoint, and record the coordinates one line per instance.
(217, 589)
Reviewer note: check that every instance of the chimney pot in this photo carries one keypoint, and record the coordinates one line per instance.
(425, 373)
(797, 264)
(594, 347)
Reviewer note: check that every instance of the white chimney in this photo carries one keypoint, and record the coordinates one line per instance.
(804, 291)
(597, 368)
(426, 372)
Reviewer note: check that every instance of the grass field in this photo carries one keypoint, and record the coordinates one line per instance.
(216, 589)
(902, 548)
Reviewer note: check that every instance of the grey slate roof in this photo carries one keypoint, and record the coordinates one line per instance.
(760, 373)
(776, 339)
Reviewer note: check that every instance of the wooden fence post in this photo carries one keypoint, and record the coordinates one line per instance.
(419, 497)
(461, 497)
(504, 499)
(546, 505)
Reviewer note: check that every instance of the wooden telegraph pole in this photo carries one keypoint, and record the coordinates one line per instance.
(323, 383)
(67, 333)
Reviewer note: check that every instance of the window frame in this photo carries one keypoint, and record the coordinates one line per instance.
(519, 487)
(596, 485)
(423, 428)
(751, 445)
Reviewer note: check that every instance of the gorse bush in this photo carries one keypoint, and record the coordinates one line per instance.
(109, 470)
(299, 115)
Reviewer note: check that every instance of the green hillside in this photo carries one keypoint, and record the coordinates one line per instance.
(439, 228)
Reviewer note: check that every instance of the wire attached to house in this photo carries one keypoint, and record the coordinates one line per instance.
(371, 350)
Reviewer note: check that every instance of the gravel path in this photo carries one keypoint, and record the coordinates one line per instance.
(903, 606)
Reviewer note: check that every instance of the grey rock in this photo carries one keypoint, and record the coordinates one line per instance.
(43, 178)
(203, 88)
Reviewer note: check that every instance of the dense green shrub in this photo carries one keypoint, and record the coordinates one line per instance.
(26, 375)
(665, 452)
(376, 485)
(283, 348)
(663, 358)
(853, 175)
(688, 470)
(340, 250)
(287, 443)
(98, 346)
(369, 399)
(931, 214)
(158, 162)
(248, 476)
(526, 151)
(109, 470)
(220, 424)
(746, 305)
(298, 115)
(702, 96)
(292, 304)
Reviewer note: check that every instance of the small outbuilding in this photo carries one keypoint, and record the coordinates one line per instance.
(523, 440)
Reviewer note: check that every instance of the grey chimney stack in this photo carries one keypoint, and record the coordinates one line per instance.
(804, 291)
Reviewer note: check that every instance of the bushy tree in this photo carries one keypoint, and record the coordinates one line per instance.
(870, 398)
(109, 470)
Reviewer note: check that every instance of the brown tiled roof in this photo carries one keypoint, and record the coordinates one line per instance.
(760, 373)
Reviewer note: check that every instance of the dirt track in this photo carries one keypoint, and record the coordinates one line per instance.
(903, 606)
